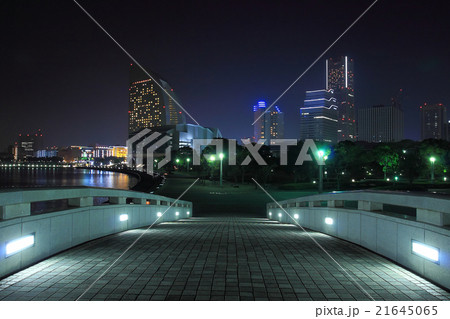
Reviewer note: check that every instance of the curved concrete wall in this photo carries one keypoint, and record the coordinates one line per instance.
(386, 235)
(57, 231)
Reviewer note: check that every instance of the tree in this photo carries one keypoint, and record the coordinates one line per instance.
(411, 164)
(347, 158)
(387, 158)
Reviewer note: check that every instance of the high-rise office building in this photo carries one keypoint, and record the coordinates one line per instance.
(149, 105)
(448, 131)
(27, 145)
(433, 121)
(269, 125)
(260, 128)
(319, 116)
(340, 79)
(276, 124)
(381, 123)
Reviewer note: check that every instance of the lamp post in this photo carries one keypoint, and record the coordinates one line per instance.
(432, 160)
(221, 158)
(187, 161)
(320, 153)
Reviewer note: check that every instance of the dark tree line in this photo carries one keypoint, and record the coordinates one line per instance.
(405, 161)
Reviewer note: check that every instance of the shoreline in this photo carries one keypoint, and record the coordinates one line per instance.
(145, 184)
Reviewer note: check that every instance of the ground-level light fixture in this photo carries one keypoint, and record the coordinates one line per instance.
(428, 252)
(19, 244)
(329, 221)
(123, 217)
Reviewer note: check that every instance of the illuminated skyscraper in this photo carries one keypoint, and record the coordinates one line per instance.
(28, 144)
(269, 125)
(276, 124)
(339, 78)
(433, 121)
(319, 116)
(149, 105)
(260, 127)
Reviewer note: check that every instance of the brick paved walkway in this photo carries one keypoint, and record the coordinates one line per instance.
(217, 259)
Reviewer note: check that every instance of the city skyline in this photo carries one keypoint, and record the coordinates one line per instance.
(89, 103)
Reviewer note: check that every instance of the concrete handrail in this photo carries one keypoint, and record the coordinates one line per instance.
(422, 245)
(26, 238)
(17, 203)
(431, 208)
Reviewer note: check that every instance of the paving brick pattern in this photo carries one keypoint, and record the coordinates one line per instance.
(218, 259)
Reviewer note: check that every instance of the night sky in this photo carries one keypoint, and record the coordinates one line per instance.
(61, 73)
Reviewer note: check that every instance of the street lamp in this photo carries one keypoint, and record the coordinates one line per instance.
(187, 161)
(432, 160)
(221, 158)
(321, 156)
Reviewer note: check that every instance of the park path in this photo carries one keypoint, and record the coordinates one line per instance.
(221, 258)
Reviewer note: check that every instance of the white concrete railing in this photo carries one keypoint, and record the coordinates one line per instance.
(54, 232)
(401, 240)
